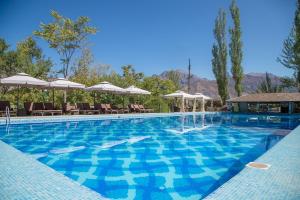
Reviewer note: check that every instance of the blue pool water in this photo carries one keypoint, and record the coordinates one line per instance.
(170, 157)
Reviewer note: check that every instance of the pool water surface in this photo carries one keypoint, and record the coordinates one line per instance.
(169, 157)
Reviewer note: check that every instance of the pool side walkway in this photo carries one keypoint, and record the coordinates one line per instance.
(280, 181)
(22, 177)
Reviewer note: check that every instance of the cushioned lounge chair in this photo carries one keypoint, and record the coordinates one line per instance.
(108, 106)
(137, 109)
(120, 110)
(104, 109)
(49, 108)
(131, 108)
(3, 106)
(148, 110)
(84, 108)
(38, 109)
(70, 109)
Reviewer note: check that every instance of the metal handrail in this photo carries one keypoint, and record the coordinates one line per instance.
(7, 115)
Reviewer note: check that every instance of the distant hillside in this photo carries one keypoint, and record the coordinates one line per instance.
(209, 87)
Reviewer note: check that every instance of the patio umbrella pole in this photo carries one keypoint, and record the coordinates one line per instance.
(123, 101)
(53, 97)
(18, 93)
(94, 98)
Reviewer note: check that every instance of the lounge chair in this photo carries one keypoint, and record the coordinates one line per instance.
(49, 108)
(84, 108)
(28, 107)
(103, 108)
(70, 109)
(148, 110)
(108, 106)
(3, 105)
(131, 108)
(120, 110)
(137, 109)
(38, 109)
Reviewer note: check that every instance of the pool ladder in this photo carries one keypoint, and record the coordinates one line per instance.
(7, 115)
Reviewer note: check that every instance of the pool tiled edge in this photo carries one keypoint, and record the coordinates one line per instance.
(281, 181)
(65, 118)
(22, 177)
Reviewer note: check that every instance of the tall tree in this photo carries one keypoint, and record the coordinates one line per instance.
(267, 86)
(290, 56)
(66, 36)
(219, 60)
(235, 49)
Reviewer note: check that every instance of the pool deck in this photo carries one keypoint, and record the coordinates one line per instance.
(22, 177)
(280, 181)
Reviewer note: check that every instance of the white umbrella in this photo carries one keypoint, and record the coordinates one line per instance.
(106, 87)
(182, 95)
(64, 84)
(22, 80)
(135, 90)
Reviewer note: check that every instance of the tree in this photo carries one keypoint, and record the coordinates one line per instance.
(31, 59)
(235, 49)
(158, 87)
(66, 36)
(219, 52)
(290, 56)
(268, 87)
(130, 76)
(174, 76)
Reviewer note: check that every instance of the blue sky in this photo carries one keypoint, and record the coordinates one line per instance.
(156, 35)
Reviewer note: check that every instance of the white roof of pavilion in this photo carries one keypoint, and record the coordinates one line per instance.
(200, 96)
(180, 94)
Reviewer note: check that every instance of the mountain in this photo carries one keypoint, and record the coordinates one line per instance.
(208, 87)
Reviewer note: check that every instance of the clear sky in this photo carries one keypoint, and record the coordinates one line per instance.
(156, 35)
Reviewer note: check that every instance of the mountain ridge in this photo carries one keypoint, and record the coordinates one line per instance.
(208, 87)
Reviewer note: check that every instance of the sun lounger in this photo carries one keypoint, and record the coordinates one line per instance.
(137, 109)
(120, 110)
(131, 108)
(108, 106)
(70, 109)
(49, 108)
(103, 108)
(3, 105)
(28, 107)
(84, 108)
(38, 109)
(148, 110)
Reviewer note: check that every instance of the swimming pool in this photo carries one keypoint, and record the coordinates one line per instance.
(167, 157)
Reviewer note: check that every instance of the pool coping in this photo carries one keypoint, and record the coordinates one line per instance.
(23, 177)
(280, 181)
(65, 118)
